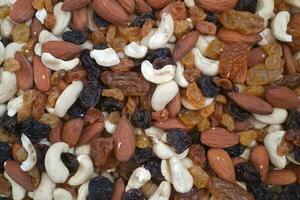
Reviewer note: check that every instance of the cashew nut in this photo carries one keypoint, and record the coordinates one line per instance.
(62, 194)
(18, 192)
(135, 50)
(41, 15)
(14, 105)
(272, 142)
(187, 104)
(179, 76)
(8, 85)
(38, 49)
(162, 150)
(206, 66)
(138, 178)
(84, 172)
(267, 36)
(181, 178)
(163, 94)
(189, 3)
(146, 39)
(2, 53)
(6, 27)
(246, 154)
(163, 192)
(106, 57)
(157, 76)
(55, 168)
(66, 99)
(46, 36)
(83, 191)
(295, 3)
(163, 33)
(279, 26)
(274, 127)
(45, 189)
(257, 124)
(7, 2)
(165, 170)
(154, 132)
(83, 150)
(63, 19)
(30, 162)
(265, 9)
(278, 116)
(203, 42)
(11, 49)
(187, 162)
(56, 64)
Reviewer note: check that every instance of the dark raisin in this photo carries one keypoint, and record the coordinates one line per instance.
(246, 5)
(212, 17)
(5, 150)
(41, 151)
(142, 155)
(134, 194)
(161, 53)
(290, 192)
(179, 139)
(291, 81)
(76, 37)
(6, 41)
(109, 104)
(293, 135)
(297, 154)
(9, 124)
(141, 119)
(246, 172)
(207, 86)
(93, 70)
(153, 166)
(293, 120)
(140, 20)
(5, 198)
(35, 129)
(260, 191)
(159, 63)
(70, 161)
(235, 150)
(238, 112)
(195, 134)
(100, 46)
(76, 110)
(100, 21)
(90, 95)
(125, 169)
(100, 188)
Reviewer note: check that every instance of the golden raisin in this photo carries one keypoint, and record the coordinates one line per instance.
(228, 121)
(11, 65)
(50, 21)
(130, 34)
(98, 37)
(4, 11)
(181, 28)
(188, 60)
(114, 93)
(190, 118)
(221, 99)
(194, 95)
(274, 62)
(200, 177)
(256, 90)
(246, 137)
(273, 49)
(260, 75)
(215, 49)
(207, 110)
(114, 117)
(197, 14)
(20, 33)
(142, 141)
(203, 124)
(192, 74)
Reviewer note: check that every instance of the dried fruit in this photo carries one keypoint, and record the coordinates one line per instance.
(246, 137)
(134, 194)
(100, 186)
(245, 172)
(214, 49)
(90, 95)
(238, 112)
(11, 65)
(70, 161)
(5, 154)
(76, 37)
(200, 177)
(34, 129)
(179, 139)
(246, 5)
(141, 119)
(153, 166)
(194, 95)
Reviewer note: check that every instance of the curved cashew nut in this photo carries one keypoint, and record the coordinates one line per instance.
(38, 49)
(106, 57)
(45, 189)
(8, 85)
(203, 42)
(7, 2)
(41, 15)
(165, 170)
(84, 172)
(294, 3)
(18, 192)
(206, 66)
(187, 104)
(279, 26)
(163, 94)
(11, 49)
(179, 76)
(154, 132)
(6, 27)
(63, 19)
(59, 194)
(55, 168)
(157, 76)
(278, 116)
(246, 154)
(83, 191)
(164, 151)
(163, 33)
(135, 50)
(146, 39)
(83, 150)
(163, 192)
(257, 124)
(265, 9)
(66, 99)
(46, 36)
(267, 36)
(271, 142)
(56, 64)
(187, 162)
(14, 105)
(30, 162)
(138, 178)
(274, 127)
(2, 53)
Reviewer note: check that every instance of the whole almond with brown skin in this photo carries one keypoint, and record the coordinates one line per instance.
(141, 7)
(61, 49)
(217, 5)
(174, 106)
(41, 74)
(171, 124)
(281, 177)
(128, 5)
(124, 140)
(220, 162)
(282, 97)
(36, 27)
(21, 11)
(70, 5)
(25, 74)
(219, 138)
(290, 65)
(185, 45)
(111, 11)
(260, 159)
(90, 132)
(251, 103)
(80, 19)
(119, 190)
(71, 131)
(14, 171)
(158, 4)
(230, 37)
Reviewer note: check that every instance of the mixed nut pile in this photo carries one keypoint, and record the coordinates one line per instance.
(150, 99)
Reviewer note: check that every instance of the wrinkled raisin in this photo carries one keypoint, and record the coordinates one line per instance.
(9, 124)
(134, 194)
(212, 17)
(195, 136)
(179, 139)
(246, 172)
(100, 188)
(90, 65)
(154, 167)
(76, 37)
(76, 110)
(159, 63)
(5, 150)
(100, 21)
(293, 120)
(235, 150)
(290, 192)
(6, 41)
(90, 95)
(238, 112)
(100, 46)
(142, 155)
(207, 86)
(35, 129)
(141, 119)
(70, 162)
(109, 104)
(260, 191)
(140, 20)
(161, 53)
(297, 154)
(246, 5)
(41, 151)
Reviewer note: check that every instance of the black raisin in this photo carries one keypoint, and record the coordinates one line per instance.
(161, 53)
(212, 17)
(141, 19)
(208, 87)
(35, 129)
(246, 172)
(235, 150)
(142, 155)
(100, 188)
(159, 63)
(141, 119)
(70, 161)
(179, 139)
(134, 194)
(41, 151)
(293, 120)
(90, 95)
(6, 41)
(246, 5)
(238, 112)
(290, 192)
(5, 198)
(153, 166)
(93, 70)
(100, 46)
(125, 169)
(76, 110)
(76, 37)
(9, 124)
(5, 150)
(109, 104)
(100, 21)
(297, 154)
(195, 134)
(260, 191)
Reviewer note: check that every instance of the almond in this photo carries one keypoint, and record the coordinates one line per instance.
(221, 163)
(185, 45)
(281, 177)
(282, 97)
(71, 131)
(171, 124)
(111, 11)
(118, 190)
(90, 132)
(61, 49)
(21, 11)
(141, 7)
(174, 106)
(70, 5)
(216, 5)
(230, 37)
(128, 5)
(290, 64)
(251, 103)
(256, 55)
(25, 73)
(5, 189)
(158, 4)
(42, 75)
(80, 19)
(36, 27)
(260, 159)
(124, 140)
(14, 171)
(55, 133)
(219, 138)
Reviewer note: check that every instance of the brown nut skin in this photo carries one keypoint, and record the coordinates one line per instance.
(282, 97)
(260, 159)
(72, 131)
